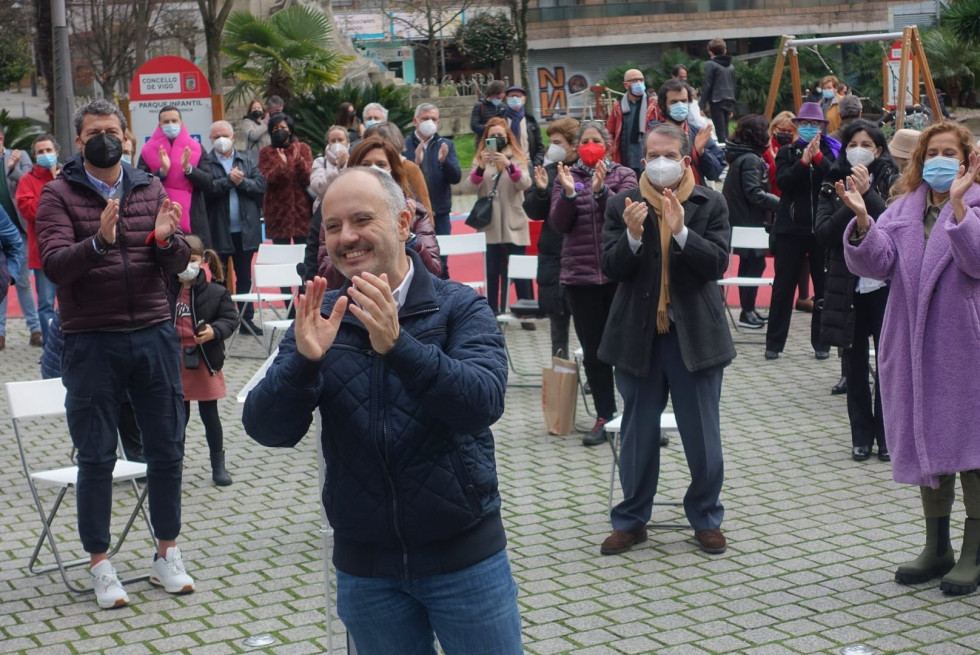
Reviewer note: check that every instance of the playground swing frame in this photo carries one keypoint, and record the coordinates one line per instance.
(912, 53)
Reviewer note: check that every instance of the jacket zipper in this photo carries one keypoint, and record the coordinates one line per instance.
(595, 242)
(383, 454)
(120, 234)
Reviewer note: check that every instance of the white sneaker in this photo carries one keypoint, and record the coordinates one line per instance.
(109, 592)
(169, 573)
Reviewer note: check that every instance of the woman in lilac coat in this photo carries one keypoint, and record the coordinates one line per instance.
(927, 245)
(578, 207)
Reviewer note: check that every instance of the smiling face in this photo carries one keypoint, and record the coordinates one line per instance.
(361, 234)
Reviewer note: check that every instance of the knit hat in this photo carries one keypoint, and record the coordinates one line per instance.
(810, 111)
(903, 143)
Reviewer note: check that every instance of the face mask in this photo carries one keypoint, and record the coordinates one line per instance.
(47, 160)
(663, 172)
(280, 138)
(368, 124)
(223, 145)
(256, 115)
(496, 102)
(103, 150)
(807, 132)
(171, 130)
(591, 153)
(860, 156)
(501, 143)
(783, 139)
(637, 88)
(379, 169)
(679, 111)
(515, 102)
(555, 153)
(337, 148)
(828, 93)
(189, 273)
(939, 173)
(127, 159)
(427, 128)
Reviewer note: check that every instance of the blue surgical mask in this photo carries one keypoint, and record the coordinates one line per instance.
(637, 88)
(496, 102)
(47, 160)
(127, 159)
(368, 124)
(939, 173)
(171, 130)
(807, 132)
(515, 102)
(679, 111)
(828, 93)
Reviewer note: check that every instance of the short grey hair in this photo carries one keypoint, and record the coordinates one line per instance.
(673, 132)
(100, 107)
(849, 107)
(222, 124)
(372, 106)
(425, 106)
(394, 194)
(598, 126)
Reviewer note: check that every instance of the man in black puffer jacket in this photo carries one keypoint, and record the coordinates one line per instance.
(408, 373)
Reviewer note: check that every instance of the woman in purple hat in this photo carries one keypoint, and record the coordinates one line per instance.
(800, 169)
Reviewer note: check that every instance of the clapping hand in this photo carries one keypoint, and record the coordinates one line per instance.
(634, 216)
(314, 334)
(168, 220)
(376, 308)
(852, 198)
(541, 178)
(164, 160)
(599, 177)
(236, 176)
(185, 158)
(861, 179)
(108, 220)
(673, 212)
(701, 140)
(965, 178)
(566, 180)
(443, 152)
(811, 150)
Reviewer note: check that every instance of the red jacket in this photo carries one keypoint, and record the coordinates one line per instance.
(615, 125)
(125, 289)
(286, 205)
(28, 195)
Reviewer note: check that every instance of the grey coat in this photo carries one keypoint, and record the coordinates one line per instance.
(20, 169)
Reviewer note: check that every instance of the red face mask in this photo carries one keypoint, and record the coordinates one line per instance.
(591, 153)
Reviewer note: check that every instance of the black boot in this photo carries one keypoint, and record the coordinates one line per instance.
(218, 471)
(965, 575)
(936, 558)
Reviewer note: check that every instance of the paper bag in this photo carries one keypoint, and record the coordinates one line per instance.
(558, 386)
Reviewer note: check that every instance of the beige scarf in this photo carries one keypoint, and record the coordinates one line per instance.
(656, 200)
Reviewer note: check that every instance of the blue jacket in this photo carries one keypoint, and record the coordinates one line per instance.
(439, 178)
(411, 484)
(13, 254)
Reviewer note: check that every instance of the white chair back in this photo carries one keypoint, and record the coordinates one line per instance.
(462, 244)
(276, 275)
(271, 253)
(522, 267)
(750, 237)
(36, 398)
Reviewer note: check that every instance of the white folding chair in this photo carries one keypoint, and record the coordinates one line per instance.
(269, 253)
(273, 253)
(519, 267)
(267, 282)
(614, 438)
(44, 400)
(474, 243)
(755, 238)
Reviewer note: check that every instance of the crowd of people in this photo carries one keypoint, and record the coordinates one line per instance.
(408, 368)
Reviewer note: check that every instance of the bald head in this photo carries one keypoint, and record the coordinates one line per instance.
(634, 83)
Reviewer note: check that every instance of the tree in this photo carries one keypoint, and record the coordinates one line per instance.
(951, 62)
(286, 55)
(44, 52)
(962, 17)
(428, 21)
(214, 14)
(15, 44)
(487, 39)
(518, 13)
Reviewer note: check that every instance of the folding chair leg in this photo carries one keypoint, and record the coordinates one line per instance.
(613, 440)
(513, 368)
(46, 534)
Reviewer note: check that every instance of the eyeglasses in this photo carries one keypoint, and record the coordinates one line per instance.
(804, 122)
(634, 80)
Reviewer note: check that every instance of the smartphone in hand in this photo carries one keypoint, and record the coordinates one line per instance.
(492, 145)
(199, 328)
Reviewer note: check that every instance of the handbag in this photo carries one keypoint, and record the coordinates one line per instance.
(558, 384)
(482, 212)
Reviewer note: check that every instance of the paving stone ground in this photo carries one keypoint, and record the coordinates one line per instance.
(813, 537)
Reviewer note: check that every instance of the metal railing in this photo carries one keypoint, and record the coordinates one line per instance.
(660, 7)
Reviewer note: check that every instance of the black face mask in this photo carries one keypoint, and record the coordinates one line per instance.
(501, 143)
(103, 151)
(256, 115)
(281, 138)
(783, 139)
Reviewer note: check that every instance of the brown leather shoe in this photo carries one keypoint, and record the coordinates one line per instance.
(621, 541)
(3, 342)
(36, 339)
(711, 541)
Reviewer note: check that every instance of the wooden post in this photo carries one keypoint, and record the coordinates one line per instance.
(903, 79)
(777, 74)
(919, 53)
(794, 76)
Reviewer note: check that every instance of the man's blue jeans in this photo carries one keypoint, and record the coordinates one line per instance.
(45, 300)
(25, 296)
(472, 611)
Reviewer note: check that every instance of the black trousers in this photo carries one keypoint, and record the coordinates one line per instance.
(749, 265)
(867, 425)
(791, 252)
(497, 286)
(719, 116)
(590, 309)
(213, 431)
(242, 261)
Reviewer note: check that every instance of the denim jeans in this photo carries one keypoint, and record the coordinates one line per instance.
(25, 296)
(45, 300)
(472, 611)
(98, 369)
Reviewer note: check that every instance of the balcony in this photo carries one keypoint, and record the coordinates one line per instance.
(541, 14)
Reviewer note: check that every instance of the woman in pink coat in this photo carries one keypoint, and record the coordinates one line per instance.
(927, 245)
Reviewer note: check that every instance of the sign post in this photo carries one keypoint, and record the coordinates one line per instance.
(169, 80)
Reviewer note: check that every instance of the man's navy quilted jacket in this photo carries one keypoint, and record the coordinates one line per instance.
(411, 484)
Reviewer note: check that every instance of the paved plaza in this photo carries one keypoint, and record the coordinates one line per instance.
(814, 537)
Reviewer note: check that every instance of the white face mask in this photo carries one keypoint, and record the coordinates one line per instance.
(555, 154)
(860, 156)
(427, 128)
(337, 148)
(380, 170)
(190, 273)
(663, 172)
(223, 145)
